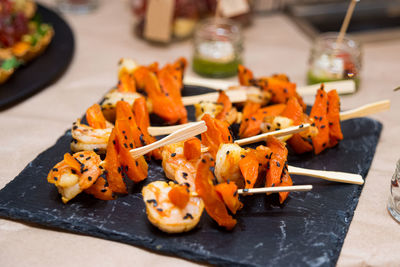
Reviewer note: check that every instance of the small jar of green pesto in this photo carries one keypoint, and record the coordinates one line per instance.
(332, 61)
(218, 47)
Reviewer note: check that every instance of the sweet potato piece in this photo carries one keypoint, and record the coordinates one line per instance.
(217, 133)
(100, 190)
(142, 119)
(294, 111)
(95, 117)
(228, 194)
(126, 83)
(319, 114)
(215, 207)
(226, 103)
(276, 162)
(252, 125)
(192, 149)
(286, 180)
(163, 105)
(124, 112)
(135, 169)
(249, 169)
(245, 76)
(335, 132)
(113, 167)
(179, 196)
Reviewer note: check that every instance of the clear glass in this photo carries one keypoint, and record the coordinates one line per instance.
(394, 198)
(330, 61)
(218, 47)
(77, 6)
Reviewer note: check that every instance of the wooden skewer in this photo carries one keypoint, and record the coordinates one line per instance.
(263, 190)
(342, 177)
(164, 130)
(283, 132)
(342, 87)
(235, 96)
(346, 22)
(365, 110)
(180, 135)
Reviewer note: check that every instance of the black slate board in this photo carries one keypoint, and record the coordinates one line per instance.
(44, 69)
(309, 229)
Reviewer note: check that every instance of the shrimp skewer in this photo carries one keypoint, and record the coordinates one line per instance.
(166, 213)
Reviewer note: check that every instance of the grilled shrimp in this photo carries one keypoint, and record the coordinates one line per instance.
(110, 101)
(206, 107)
(167, 216)
(227, 164)
(75, 173)
(177, 167)
(86, 138)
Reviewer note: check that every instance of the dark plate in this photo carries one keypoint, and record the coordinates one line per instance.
(44, 69)
(309, 229)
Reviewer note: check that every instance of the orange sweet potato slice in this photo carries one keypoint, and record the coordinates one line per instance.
(100, 190)
(252, 125)
(179, 196)
(135, 169)
(126, 83)
(142, 119)
(294, 111)
(215, 207)
(217, 133)
(192, 149)
(335, 131)
(228, 194)
(226, 103)
(249, 169)
(286, 180)
(245, 76)
(276, 162)
(113, 167)
(95, 117)
(319, 114)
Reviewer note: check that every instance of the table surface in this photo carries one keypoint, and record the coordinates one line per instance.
(272, 44)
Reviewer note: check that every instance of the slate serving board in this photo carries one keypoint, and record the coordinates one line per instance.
(308, 229)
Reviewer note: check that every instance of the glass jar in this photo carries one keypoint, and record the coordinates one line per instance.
(330, 61)
(394, 198)
(218, 47)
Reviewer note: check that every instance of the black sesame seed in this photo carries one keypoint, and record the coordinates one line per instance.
(125, 145)
(331, 123)
(85, 170)
(152, 201)
(203, 160)
(279, 125)
(173, 155)
(254, 119)
(75, 127)
(88, 158)
(278, 164)
(81, 155)
(73, 171)
(301, 126)
(247, 119)
(96, 150)
(273, 185)
(187, 184)
(130, 117)
(123, 132)
(114, 142)
(188, 215)
(324, 144)
(137, 163)
(55, 170)
(126, 137)
(227, 152)
(159, 209)
(119, 169)
(55, 178)
(184, 174)
(103, 190)
(131, 145)
(89, 178)
(126, 168)
(322, 126)
(235, 194)
(211, 159)
(320, 118)
(268, 165)
(248, 181)
(242, 156)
